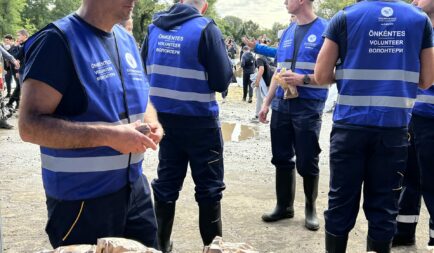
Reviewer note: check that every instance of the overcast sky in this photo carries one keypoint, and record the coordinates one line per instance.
(263, 12)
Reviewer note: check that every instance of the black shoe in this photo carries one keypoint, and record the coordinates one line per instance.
(8, 95)
(285, 192)
(244, 99)
(400, 240)
(379, 246)
(250, 100)
(165, 213)
(335, 244)
(210, 222)
(5, 125)
(310, 185)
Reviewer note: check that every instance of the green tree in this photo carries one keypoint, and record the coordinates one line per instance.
(62, 8)
(10, 19)
(36, 13)
(328, 8)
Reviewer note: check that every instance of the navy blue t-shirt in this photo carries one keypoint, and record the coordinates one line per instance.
(300, 33)
(48, 60)
(337, 32)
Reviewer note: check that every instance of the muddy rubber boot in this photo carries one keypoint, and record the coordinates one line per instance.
(335, 244)
(285, 193)
(310, 185)
(379, 246)
(210, 222)
(165, 213)
(5, 125)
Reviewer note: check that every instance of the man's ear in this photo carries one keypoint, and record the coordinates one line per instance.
(204, 8)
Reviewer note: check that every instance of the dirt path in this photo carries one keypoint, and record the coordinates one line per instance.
(249, 177)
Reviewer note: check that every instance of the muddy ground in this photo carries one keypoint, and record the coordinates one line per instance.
(249, 177)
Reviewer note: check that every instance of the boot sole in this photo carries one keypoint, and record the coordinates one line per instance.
(312, 227)
(268, 219)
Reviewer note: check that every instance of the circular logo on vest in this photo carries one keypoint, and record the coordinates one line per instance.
(311, 38)
(130, 60)
(387, 12)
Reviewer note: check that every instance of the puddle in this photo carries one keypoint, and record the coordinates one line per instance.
(237, 132)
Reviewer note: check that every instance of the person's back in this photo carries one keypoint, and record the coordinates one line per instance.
(385, 52)
(376, 60)
(248, 62)
(186, 62)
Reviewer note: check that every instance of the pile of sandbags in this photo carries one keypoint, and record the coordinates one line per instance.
(218, 246)
(106, 245)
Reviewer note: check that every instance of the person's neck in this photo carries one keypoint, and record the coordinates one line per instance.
(305, 16)
(97, 18)
(431, 16)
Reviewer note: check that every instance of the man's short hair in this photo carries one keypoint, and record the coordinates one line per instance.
(24, 32)
(8, 36)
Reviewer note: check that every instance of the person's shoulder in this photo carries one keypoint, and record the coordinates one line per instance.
(50, 34)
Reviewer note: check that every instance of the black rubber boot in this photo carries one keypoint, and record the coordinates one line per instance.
(379, 246)
(310, 185)
(210, 222)
(285, 193)
(335, 244)
(165, 212)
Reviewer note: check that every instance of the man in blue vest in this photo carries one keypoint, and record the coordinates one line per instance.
(296, 123)
(385, 51)
(419, 176)
(85, 98)
(186, 62)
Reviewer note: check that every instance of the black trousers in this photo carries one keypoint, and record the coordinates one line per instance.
(246, 85)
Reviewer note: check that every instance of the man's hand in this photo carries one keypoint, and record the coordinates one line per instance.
(16, 64)
(292, 78)
(250, 43)
(157, 132)
(126, 139)
(263, 114)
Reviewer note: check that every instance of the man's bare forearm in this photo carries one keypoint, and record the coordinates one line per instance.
(53, 132)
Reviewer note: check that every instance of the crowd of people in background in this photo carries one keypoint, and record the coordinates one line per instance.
(13, 65)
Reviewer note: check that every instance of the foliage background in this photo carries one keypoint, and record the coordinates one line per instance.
(35, 14)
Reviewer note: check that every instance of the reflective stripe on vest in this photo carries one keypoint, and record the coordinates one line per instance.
(378, 85)
(71, 174)
(179, 82)
(182, 96)
(305, 59)
(88, 164)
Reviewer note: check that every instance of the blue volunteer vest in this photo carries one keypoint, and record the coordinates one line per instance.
(377, 81)
(305, 59)
(72, 174)
(179, 82)
(425, 102)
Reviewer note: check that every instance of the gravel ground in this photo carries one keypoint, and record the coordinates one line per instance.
(249, 177)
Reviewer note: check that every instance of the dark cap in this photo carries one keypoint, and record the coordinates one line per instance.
(8, 36)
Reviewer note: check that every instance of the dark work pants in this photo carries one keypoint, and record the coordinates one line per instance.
(296, 135)
(246, 85)
(202, 148)
(424, 143)
(126, 213)
(410, 199)
(375, 158)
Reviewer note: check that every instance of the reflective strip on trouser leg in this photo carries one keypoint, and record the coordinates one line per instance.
(407, 218)
(431, 233)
